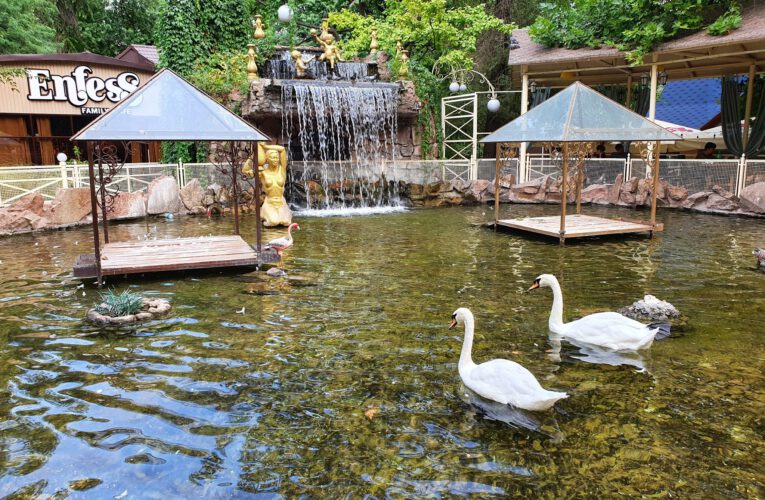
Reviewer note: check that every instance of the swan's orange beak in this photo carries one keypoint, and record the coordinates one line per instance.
(452, 324)
(534, 286)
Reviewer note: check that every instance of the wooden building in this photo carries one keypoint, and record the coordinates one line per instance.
(54, 96)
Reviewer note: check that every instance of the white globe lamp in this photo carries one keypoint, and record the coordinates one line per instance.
(61, 157)
(284, 13)
(493, 105)
(454, 87)
(463, 87)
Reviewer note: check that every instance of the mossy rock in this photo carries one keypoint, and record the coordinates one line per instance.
(150, 309)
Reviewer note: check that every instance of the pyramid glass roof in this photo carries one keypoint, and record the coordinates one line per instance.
(580, 114)
(168, 108)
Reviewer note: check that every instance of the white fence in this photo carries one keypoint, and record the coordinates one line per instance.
(695, 175)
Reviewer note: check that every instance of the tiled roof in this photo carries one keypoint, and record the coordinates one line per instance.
(150, 52)
(692, 103)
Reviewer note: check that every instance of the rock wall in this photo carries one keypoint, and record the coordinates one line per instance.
(71, 207)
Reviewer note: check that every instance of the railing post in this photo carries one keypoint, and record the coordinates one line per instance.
(740, 175)
(179, 173)
(63, 169)
(127, 174)
(628, 167)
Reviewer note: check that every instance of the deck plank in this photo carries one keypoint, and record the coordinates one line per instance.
(577, 226)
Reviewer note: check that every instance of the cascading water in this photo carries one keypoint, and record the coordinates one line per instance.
(344, 134)
(281, 67)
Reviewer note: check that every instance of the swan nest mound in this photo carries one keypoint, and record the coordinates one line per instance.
(651, 309)
(150, 309)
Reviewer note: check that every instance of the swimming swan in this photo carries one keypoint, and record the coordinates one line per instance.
(607, 329)
(500, 380)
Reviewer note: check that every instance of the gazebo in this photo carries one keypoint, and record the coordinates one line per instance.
(166, 108)
(577, 117)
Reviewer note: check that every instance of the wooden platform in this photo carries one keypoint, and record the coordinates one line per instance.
(152, 256)
(577, 226)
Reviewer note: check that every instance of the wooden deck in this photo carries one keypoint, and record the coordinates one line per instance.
(152, 256)
(577, 226)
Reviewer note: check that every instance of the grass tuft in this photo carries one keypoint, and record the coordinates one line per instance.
(119, 304)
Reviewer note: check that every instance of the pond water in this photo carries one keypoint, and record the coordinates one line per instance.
(342, 380)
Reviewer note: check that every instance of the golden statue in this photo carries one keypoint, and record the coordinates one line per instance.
(398, 47)
(403, 69)
(258, 25)
(300, 64)
(325, 34)
(252, 68)
(272, 171)
(331, 52)
(373, 44)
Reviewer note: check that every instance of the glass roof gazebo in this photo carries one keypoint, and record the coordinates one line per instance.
(166, 108)
(576, 118)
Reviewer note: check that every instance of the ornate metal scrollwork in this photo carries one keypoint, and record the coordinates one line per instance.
(110, 164)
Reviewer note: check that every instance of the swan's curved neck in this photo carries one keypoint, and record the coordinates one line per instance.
(556, 313)
(466, 359)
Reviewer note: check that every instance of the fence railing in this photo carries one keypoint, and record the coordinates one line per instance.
(695, 175)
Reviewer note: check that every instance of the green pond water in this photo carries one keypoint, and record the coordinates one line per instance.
(342, 381)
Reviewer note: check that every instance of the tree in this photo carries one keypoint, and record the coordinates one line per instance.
(635, 26)
(26, 27)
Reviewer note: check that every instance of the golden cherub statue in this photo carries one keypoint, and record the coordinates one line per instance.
(300, 65)
(252, 67)
(272, 171)
(403, 69)
(373, 45)
(331, 52)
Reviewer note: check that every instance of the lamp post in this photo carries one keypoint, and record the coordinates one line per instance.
(458, 78)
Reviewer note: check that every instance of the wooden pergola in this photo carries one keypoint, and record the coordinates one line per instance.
(699, 55)
(166, 108)
(577, 117)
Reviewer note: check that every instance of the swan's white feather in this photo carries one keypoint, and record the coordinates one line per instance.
(611, 330)
(508, 382)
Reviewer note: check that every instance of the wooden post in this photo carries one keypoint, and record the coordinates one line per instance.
(628, 100)
(94, 212)
(259, 223)
(748, 108)
(563, 193)
(654, 89)
(655, 188)
(579, 182)
(103, 196)
(235, 186)
(497, 169)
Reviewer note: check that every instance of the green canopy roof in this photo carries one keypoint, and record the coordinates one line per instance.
(168, 108)
(580, 114)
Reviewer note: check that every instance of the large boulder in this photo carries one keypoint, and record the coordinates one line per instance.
(532, 191)
(192, 195)
(70, 206)
(32, 203)
(128, 206)
(596, 193)
(710, 201)
(676, 195)
(753, 198)
(164, 196)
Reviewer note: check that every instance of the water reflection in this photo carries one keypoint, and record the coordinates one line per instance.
(595, 354)
(342, 380)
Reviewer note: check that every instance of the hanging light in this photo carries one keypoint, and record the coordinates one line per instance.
(463, 87)
(644, 80)
(493, 104)
(454, 87)
(533, 86)
(663, 77)
(741, 84)
(284, 13)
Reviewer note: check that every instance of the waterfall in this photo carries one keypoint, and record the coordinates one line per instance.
(339, 137)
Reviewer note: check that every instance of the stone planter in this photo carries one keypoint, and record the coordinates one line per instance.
(151, 309)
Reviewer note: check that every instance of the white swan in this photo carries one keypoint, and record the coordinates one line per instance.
(607, 329)
(500, 380)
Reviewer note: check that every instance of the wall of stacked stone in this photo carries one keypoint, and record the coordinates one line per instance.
(71, 207)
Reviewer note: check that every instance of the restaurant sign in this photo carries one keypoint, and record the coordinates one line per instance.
(80, 87)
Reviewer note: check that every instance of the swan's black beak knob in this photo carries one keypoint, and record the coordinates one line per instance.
(452, 324)
(534, 286)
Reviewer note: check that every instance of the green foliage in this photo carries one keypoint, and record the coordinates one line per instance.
(221, 74)
(26, 27)
(105, 26)
(119, 304)
(8, 77)
(635, 26)
(179, 39)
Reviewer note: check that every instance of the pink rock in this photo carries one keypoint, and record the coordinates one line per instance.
(753, 198)
(70, 206)
(164, 196)
(128, 206)
(596, 193)
(32, 202)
